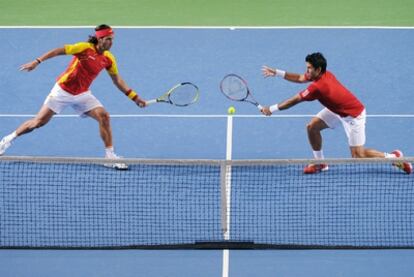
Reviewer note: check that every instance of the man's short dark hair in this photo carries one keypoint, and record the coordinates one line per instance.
(317, 60)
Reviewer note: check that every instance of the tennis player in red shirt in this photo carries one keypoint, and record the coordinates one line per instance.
(72, 88)
(341, 107)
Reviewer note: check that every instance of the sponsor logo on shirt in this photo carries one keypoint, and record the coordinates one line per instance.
(305, 93)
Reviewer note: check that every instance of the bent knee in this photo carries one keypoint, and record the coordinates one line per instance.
(38, 122)
(312, 127)
(316, 125)
(104, 117)
(358, 153)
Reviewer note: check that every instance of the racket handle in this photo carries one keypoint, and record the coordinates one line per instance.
(149, 102)
(260, 107)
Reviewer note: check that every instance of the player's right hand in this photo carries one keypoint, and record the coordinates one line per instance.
(29, 66)
(266, 111)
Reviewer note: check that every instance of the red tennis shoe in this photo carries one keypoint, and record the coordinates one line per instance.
(315, 168)
(404, 166)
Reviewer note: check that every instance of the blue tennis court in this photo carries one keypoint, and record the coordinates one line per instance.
(373, 63)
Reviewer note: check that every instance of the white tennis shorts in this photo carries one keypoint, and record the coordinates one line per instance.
(58, 99)
(354, 126)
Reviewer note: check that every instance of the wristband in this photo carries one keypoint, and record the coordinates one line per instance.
(274, 108)
(38, 61)
(131, 94)
(280, 73)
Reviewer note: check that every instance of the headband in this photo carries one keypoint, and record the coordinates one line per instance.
(104, 32)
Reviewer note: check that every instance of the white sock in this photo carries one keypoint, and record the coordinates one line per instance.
(318, 154)
(389, 155)
(109, 152)
(11, 137)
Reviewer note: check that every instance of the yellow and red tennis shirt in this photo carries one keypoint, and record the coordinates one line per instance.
(85, 66)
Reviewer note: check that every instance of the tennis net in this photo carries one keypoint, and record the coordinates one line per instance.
(64, 203)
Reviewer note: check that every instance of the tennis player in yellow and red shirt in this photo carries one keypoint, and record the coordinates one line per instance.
(72, 87)
(341, 108)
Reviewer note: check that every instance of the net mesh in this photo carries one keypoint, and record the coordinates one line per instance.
(358, 205)
(78, 203)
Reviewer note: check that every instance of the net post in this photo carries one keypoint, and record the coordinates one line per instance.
(225, 172)
(225, 180)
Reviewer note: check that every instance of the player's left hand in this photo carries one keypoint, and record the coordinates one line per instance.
(268, 71)
(140, 102)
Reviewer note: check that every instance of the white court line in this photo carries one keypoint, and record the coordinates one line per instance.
(206, 115)
(211, 27)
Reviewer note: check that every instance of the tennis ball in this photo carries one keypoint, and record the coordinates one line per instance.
(231, 110)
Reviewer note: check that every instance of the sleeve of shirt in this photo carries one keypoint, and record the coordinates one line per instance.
(112, 68)
(72, 49)
(310, 94)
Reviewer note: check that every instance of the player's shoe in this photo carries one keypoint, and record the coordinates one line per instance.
(315, 168)
(404, 166)
(117, 166)
(4, 144)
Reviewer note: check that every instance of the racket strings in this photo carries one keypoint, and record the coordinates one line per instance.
(234, 88)
(184, 95)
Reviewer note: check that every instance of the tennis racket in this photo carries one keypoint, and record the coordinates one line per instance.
(180, 95)
(235, 88)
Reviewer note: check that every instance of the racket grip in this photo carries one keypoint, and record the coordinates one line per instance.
(149, 102)
(260, 107)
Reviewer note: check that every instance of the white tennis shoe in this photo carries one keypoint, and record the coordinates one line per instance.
(117, 166)
(4, 144)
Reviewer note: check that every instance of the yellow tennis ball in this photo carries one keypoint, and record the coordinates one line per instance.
(231, 110)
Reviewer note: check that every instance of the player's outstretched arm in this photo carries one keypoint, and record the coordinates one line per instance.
(292, 77)
(33, 64)
(122, 86)
(296, 99)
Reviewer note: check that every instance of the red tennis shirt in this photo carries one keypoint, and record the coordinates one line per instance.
(333, 95)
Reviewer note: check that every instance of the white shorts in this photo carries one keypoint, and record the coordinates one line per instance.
(354, 126)
(58, 99)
